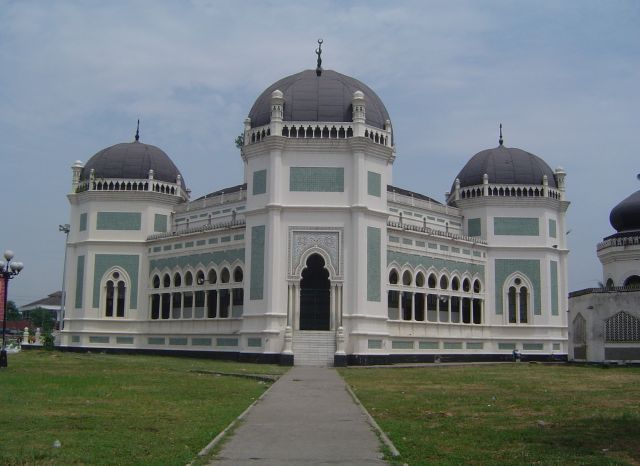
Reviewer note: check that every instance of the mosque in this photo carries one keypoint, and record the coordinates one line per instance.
(317, 256)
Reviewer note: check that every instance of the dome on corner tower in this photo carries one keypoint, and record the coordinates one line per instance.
(328, 97)
(626, 215)
(506, 165)
(132, 160)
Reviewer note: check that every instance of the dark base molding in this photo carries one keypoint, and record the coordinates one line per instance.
(258, 358)
(385, 359)
(339, 360)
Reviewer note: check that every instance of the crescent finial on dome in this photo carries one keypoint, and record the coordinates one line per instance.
(500, 141)
(138, 131)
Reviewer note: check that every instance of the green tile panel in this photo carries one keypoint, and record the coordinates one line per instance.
(452, 345)
(226, 342)
(124, 340)
(259, 182)
(119, 221)
(178, 341)
(83, 222)
(374, 259)
(474, 227)
(317, 179)
(528, 267)
(75, 339)
(373, 183)
(254, 342)
(98, 339)
(201, 242)
(160, 223)
(193, 260)
(128, 262)
(533, 346)
(554, 288)
(506, 346)
(401, 344)
(256, 288)
(79, 281)
(156, 340)
(374, 344)
(552, 228)
(429, 345)
(516, 226)
(201, 341)
(475, 345)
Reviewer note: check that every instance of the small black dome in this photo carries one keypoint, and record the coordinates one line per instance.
(308, 97)
(626, 215)
(132, 160)
(505, 165)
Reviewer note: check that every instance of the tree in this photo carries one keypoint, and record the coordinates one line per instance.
(42, 318)
(240, 141)
(12, 311)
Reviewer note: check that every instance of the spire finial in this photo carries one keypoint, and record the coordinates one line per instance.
(319, 53)
(500, 140)
(138, 131)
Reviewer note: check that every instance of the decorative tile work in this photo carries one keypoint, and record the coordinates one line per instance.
(414, 260)
(256, 289)
(192, 260)
(97, 339)
(455, 250)
(304, 238)
(188, 244)
(516, 226)
(394, 239)
(254, 342)
(181, 341)
(75, 339)
(160, 223)
(452, 345)
(316, 179)
(129, 262)
(421, 244)
(201, 341)
(201, 242)
(238, 237)
(124, 340)
(166, 247)
(79, 281)
(554, 288)
(157, 249)
(225, 239)
(444, 248)
(374, 181)
(556, 347)
(533, 346)
(528, 267)
(374, 344)
(156, 340)
(119, 221)
(429, 345)
(474, 227)
(213, 240)
(407, 241)
(259, 182)
(432, 246)
(506, 346)
(226, 342)
(374, 257)
(552, 228)
(83, 222)
(475, 345)
(401, 344)
(177, 246)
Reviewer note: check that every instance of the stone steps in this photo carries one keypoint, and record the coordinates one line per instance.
(314, 348)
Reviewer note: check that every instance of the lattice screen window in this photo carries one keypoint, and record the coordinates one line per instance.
(579, 330)
(622, 327)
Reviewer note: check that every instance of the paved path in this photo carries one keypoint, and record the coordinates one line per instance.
(307, 418)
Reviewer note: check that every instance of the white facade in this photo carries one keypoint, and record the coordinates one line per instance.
(316, 258)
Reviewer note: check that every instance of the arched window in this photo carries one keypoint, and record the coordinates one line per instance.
(177, 279)
(156, 281)
(466, 285)
(455, 284)
(213, 277)
(200, 278)
(476, 286)
(406, 278)
(633, 281)
(518, 302)
(444, 282)
(166, 280)
(238, 276)
(420, 279)
(188, 279)
(431, 283)
(224, 276)
(609, 283)
(393, 277)
(115, 294)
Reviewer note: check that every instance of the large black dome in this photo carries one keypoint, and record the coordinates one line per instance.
(626, 215)
(308, 97)
(505, 165)
(132, 160)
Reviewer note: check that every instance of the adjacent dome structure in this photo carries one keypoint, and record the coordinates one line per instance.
(132, 160)
(626, 215)
(506, 165)
(325, 97)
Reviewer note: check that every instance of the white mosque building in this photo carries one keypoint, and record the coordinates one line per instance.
(316, 257)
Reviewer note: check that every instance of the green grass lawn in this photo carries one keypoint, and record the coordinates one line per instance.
(506, 414)
(108, 409)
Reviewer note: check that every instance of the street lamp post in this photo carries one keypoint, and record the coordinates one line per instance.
(66, 228)
(8, 270)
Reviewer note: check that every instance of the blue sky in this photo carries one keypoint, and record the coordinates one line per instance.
(562, 77)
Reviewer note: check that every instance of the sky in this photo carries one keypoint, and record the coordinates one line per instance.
(562, 77)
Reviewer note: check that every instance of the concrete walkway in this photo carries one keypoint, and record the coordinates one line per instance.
(307, 418)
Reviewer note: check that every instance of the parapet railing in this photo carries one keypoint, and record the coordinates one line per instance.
(622, 241)
(230, 225)
(604, 289)
(118, 184)
(430, 231)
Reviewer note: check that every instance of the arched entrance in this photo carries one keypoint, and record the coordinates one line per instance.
(315, 295)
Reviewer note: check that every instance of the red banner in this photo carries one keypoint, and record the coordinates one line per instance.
(2, 283)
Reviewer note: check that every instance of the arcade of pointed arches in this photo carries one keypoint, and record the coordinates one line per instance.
(206, 293)
(421, 296)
